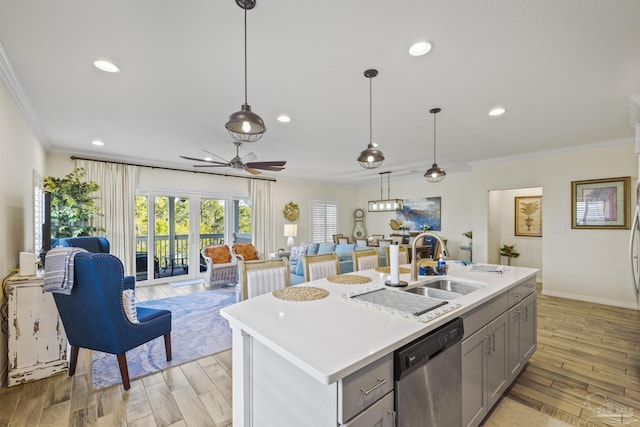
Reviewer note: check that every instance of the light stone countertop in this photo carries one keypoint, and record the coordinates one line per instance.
(333, 337)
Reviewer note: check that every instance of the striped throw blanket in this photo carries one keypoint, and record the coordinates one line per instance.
(58, 270)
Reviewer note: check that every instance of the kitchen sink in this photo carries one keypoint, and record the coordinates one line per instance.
(445, 289)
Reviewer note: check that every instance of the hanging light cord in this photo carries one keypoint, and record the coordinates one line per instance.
(434, 138)
(370, 111)
(245, 55)
(380, 186)
(388, 188)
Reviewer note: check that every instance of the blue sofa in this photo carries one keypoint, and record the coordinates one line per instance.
(343, 251)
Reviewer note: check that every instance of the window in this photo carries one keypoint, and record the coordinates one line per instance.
(324, 220)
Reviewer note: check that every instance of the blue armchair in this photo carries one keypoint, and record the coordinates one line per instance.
(94, 316)
(95, 244)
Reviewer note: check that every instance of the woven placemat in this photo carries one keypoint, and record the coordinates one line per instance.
(401, 270)
(349, 279)
(300, 293)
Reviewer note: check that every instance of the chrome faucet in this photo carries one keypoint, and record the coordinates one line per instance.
(414, 269)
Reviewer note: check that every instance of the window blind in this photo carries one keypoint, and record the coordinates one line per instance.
(324, 220)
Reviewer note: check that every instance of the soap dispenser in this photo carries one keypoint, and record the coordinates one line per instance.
(441, 266)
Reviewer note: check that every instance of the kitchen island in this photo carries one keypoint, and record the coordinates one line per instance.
(293, 361)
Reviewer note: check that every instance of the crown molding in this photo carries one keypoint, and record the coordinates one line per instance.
(14, 88)
(573, 148)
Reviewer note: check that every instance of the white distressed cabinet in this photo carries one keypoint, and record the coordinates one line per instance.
(37, 342)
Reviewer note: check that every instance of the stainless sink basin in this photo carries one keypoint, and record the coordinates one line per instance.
(445, 289)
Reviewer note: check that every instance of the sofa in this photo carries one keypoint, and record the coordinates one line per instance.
(307, 248)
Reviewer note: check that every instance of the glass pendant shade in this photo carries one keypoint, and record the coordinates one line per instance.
(370, 158)
(245, 125)
(435, 174)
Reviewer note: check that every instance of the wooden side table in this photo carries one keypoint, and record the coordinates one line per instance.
(37, 342)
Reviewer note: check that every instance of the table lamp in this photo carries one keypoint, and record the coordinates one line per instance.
(290, 231)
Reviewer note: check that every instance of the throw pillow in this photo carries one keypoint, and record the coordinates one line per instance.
(219, 254)
(246, 250)
(326, 248)
(129, 304)
(345, 248)
(296, 252)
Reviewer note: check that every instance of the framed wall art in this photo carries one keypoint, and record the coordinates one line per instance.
(601, 203)
(528, 216)
(418, 213)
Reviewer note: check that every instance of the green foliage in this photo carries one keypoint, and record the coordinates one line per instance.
(468, 234)
(510, 252)
(72, 204)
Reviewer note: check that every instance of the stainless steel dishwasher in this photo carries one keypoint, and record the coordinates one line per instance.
(428, 379)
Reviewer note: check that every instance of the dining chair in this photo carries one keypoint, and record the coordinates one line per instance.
(366, 259)
(343, 240)
(262, 276)
(384, 243)
(403, 255)
(100, 313)
(362, 242)
(335, 238)
(320, 266)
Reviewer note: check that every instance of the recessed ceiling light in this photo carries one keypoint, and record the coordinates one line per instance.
(497, 111)
(97, 142)
(420, 48)
(107, 66)
(208, 159)
(284, 118)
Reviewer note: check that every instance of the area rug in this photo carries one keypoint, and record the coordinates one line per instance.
(508, 412)
(197, 330)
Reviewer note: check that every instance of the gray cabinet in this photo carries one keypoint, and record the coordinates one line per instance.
(380, 414)
(522, 334)
(484, 370)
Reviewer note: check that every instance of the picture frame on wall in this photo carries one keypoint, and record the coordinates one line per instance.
(601, 203)
(528, 216)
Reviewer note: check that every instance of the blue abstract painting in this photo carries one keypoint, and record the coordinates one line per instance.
(420, 212)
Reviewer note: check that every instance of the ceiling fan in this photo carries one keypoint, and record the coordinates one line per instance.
(246, 162)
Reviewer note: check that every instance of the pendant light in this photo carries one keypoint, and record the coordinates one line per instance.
(434, 173)
(385, 205)
(370, 158)
(245, 125)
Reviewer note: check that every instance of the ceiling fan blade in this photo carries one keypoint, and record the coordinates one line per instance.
(270, 168)
(274, 163)
(252, 170)
(249, 158)
(218, 165)
(221, 158)
(202, 160)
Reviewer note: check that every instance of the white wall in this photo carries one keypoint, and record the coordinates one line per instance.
(20, 155)
(455, 192)
(502, 230)
(589, 265)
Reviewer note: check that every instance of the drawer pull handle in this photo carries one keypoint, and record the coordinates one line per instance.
(381, 381)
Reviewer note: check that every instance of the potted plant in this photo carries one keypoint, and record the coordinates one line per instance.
(72, 204)
(510, 252)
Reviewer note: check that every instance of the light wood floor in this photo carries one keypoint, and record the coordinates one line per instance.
(583, 348)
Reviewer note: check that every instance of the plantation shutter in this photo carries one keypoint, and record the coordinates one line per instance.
(324, 221)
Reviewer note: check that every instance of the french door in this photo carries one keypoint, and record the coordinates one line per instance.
(182, 225)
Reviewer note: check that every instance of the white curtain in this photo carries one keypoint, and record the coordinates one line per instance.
(116, 199)
(262, 220)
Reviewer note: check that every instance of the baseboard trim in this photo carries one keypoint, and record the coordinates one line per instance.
(603, 301)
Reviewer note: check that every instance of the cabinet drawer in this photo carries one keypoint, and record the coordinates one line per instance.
(480, 316)
(380, 414)
(518, 293)
(364, 387)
